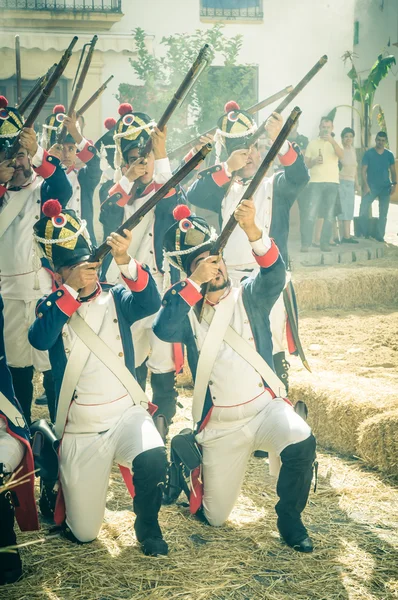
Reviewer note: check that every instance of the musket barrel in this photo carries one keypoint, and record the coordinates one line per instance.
(18, 69)
(295, 91)
(186, 84)
(135, 219)
(79, 86)
(35, 91)
(45, 94)
(94, 97)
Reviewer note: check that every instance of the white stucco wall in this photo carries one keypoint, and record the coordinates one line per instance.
(289, 41)
(378, 23)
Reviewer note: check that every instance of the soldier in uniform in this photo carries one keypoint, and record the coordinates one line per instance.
(84, 180)
(230, 356)
(221, 187)
(102, 412)
(141, 179)
(15, 456)
(26, 183)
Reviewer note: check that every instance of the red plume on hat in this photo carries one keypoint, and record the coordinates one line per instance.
(124, 109)
(3, 102)
(230, 106)
(181, 211)
(109, 123)
(59, 108)
(52, 208)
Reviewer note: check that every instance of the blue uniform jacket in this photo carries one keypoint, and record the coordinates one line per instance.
(259, 295)
(88, 177)
(53, 313)
(26, 512)
(209, 189)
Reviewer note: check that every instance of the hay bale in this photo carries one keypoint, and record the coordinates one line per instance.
(378, 441)
(347, 288)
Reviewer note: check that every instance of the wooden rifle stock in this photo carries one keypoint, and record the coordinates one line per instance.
(189, 80)
(295, 91)
(94, 97)
(79, 86)
(45, 94)
(252, 110)
(135, 219)
(273, 152)
(36, 89)
(18, 69)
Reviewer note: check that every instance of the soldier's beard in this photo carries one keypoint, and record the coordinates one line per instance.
(21, 175)
(216, 287)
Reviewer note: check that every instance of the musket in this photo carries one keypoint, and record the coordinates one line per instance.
(35, 91)
(94, 97)
(252, 110)
(228, 229)
(18, 69)
(136, 218)
(290, 97)
(185, 87)
(45, 94)
(79, 86)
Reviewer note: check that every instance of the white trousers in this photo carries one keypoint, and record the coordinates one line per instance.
(18, 317)
(226, 452)
(12, 450)
(161, 357)
(277, 315)
(86, 461)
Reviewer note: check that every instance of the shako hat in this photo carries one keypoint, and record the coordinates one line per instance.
(52, 126)
(62, 236)
(188, 237)
(11, 123)
(105, 144)
(132, 130)
(235, 129)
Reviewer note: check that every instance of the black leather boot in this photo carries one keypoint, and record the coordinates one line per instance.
(282, 368)
(22, 379)
(10, 562)
(293, 489)
(141, 374)
(165, 394)
(149, 474)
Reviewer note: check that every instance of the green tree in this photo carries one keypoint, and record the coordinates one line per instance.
(364, 92)
(160, 77)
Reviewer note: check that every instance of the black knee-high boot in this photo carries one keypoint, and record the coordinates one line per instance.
(22, 379)
(10, 562)
(165, 394)
(141, 374)
(48, 384)
(149, 474)
(293, 489)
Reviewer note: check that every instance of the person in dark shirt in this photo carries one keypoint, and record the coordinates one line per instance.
(379, 180)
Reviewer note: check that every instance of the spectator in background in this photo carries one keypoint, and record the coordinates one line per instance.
(322, 156)
(379, 181)
(302, 198)
(348, 184)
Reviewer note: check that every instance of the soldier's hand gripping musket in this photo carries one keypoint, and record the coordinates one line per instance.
(188, 82)
(45, 94)
(78, 89)
(224, 236)
(136, 218)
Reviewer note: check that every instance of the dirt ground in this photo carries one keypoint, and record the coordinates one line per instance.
(355, 350)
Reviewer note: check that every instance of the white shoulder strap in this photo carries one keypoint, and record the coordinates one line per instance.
(11, 411)
(11, 211)
(108, 358)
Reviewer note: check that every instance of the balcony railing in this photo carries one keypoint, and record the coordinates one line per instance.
(110, 6)
(232, 9)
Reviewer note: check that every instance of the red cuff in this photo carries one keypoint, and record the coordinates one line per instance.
(220, 176)
(189, 292)
(269, 258)
(120, 195)
(289, 158)
(87, 153)
(65, 301)
(48, 165)
(3, 190)
(140, 283)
